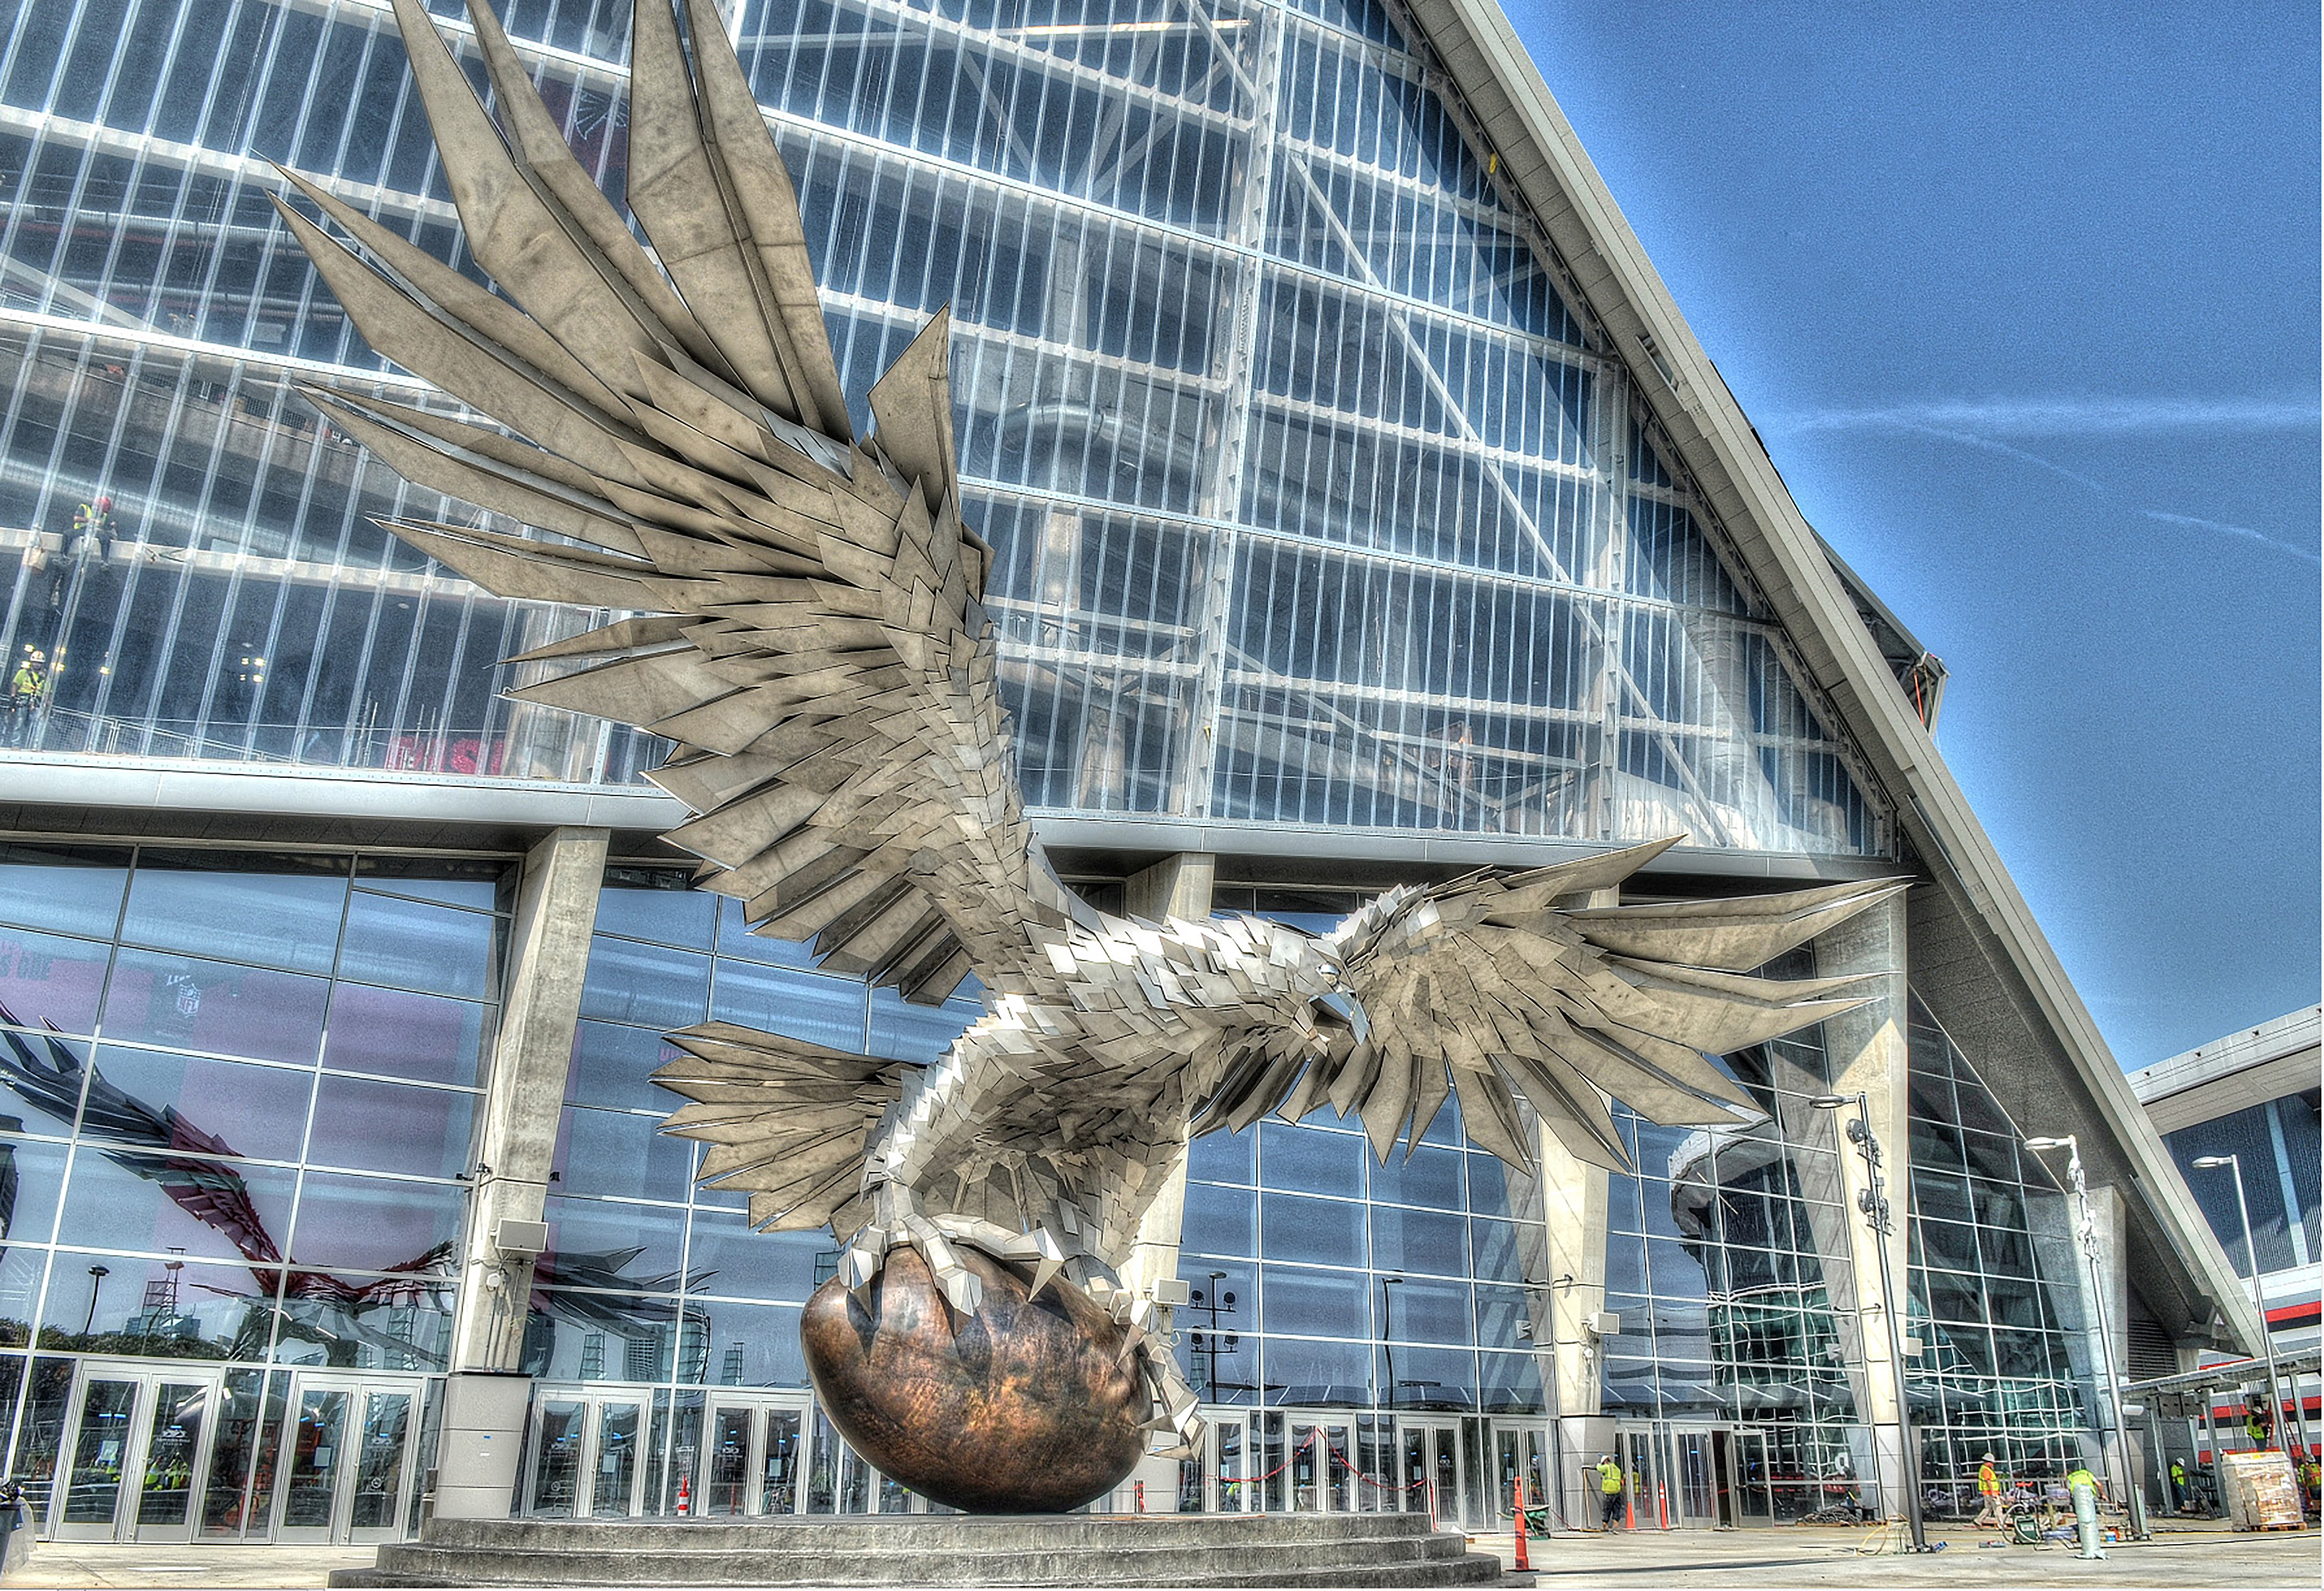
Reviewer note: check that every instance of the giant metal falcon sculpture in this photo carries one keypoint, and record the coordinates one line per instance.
(810, 634)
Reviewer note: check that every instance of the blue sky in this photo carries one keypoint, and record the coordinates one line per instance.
(2024, 301)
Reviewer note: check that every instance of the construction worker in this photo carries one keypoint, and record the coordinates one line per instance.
(1610, 1489)
(28, 695)
(2178, 1484)
(2086, 1490)
(1988, 1492)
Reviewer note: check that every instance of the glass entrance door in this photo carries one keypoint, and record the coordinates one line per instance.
(315, 1452)
(751, 1458)
(347, 1460)
(1434, 1470)
(1700, 1494)
(136, 1441)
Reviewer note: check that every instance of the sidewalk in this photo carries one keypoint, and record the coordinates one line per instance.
(2190, 1557)
(2183, 1555)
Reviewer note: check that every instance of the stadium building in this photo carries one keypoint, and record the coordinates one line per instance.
(2244, 1109)
(1365, 512)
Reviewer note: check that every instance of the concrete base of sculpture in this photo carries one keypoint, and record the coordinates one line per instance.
(1026, 1406)
(939, 1549)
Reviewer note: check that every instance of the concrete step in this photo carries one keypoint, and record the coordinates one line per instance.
(1150, 1550)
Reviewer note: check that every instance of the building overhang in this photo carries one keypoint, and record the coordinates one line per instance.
(1495, 86)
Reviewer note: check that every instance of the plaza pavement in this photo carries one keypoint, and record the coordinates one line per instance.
(2180, 1559)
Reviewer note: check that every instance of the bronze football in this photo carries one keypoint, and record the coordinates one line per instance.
(1027, 1406)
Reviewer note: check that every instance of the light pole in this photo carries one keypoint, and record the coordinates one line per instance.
(97, 1275)
(1873, 1201)
(1387, 1350)
(2259, 1300)
(2133, 1496)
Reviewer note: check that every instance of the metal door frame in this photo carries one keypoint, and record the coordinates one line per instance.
(1709, 1431)
(758, 1401)
(358, 1386)
(148, 1377)
(593, 1448)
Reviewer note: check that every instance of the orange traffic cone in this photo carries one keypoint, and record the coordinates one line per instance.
(1524, 1563)
(685, 1493)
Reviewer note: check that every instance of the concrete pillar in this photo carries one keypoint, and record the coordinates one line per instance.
(2119, 1443)
(1865, 1054)
(1574, 1217)
(548, 956)
(1175, 886)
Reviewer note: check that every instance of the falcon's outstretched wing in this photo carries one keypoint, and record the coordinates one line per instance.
(1484, 987)
(812, 633)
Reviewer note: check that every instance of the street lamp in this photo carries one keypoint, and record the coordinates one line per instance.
(1388, 1349)
(1873, 1201)
(1215, 1303)
(97, 1275)
(2211, 1162)
(2132, 1494)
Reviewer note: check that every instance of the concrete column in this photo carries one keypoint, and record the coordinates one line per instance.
(2120, 1444)
(548, 956)
(1176, 887)
(1573, 1217)
(1866, 1054)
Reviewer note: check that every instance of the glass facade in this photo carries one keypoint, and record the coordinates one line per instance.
(1317, 499)
(2276, 1143)
(237, 1094)
(2007, 1365)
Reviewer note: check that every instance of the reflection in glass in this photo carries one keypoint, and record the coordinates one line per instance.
(172, 1445)
(617, 1461)
(213, 1006)
(100, 1449)
(379, 1479)
(182, 900)
(45, 979)
(318, 1449)
(557, 1463)
(64, 889)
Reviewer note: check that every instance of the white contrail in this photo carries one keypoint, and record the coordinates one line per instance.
(2060, 416)
(2245, 532)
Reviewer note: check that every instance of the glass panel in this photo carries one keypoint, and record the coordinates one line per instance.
(379, 1480)
(425, 1038)
(823, 1471)
(1444, 1496)
(1415, 1476)
(1234, 1489)
(390, 1127)
(556, 1471)
(65, 889)
(413, 945)
(726, 1467)
(1341, 1473)
(318, 1449)
(1305, 1461)
(171, 1447)
(46, 979)
(226, 1498)
(100, 1448)
(180, 900)
(185, 1003)
(778, 1476)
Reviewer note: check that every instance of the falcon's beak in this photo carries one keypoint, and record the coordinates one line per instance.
(1342, 1010)
(1345, 1006)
